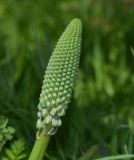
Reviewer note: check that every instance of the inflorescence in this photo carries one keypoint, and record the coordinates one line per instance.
(59, 79)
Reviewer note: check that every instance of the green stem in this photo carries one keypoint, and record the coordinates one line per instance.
(40, 147)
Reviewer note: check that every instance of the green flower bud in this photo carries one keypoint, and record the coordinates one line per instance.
(59, 79)
(48, 119)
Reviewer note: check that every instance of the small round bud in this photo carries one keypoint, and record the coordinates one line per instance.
(48, 119)
(44, 112)
(39, 115)
(61, 113)
(53, 111)
(54, 122)
(39, 124)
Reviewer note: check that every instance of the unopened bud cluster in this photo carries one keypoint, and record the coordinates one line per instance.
(59, 79)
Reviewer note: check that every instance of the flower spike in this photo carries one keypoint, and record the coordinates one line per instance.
(59, 79)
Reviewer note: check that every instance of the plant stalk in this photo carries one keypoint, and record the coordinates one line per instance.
(40, 147)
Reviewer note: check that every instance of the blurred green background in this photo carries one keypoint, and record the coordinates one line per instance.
(100, 118)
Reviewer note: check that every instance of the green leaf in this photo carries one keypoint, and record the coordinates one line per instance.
(132, 50)
(10, 154)
(16, 151)
(6, 133)
(117, 157)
